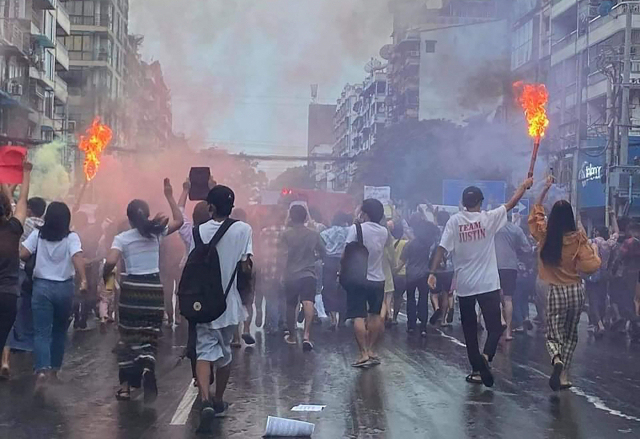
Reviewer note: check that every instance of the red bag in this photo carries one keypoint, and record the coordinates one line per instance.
(11, 159)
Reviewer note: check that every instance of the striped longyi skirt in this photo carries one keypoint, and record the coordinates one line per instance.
(141, 309)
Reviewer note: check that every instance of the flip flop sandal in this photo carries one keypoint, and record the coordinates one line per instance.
(248, 339)
(236, 345)
(474, 378)
(362, 363)
(566, 386)
(307, 346)
(287, 341)
(123, 395)
(374, 361)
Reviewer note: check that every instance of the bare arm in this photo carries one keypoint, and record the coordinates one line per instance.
(545, 191)
(177, 219)
(24, 253)
(519, 194)
(182, 201)
(113, 257)
(437, 259)
(20, 212)
(78, 264)
(614, 223)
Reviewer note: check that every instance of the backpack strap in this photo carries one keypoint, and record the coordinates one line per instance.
(233, 276)
(221, 231)
(197, 239)
(395, 246)
(359, 232)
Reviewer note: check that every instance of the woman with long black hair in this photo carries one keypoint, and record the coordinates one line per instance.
(58, 258)
(565, 252)
(141, 302)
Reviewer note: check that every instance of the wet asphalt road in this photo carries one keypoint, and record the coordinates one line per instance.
(418, 392)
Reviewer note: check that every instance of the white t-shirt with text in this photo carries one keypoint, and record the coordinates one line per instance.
(53, 259)
(471, 238)
(141, 255)
(374, 237)
(236, 245)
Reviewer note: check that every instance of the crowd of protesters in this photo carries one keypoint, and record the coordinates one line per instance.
(58, 267)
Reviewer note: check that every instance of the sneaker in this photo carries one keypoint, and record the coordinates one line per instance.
(221, 409)
(248, 339)
(301, 315)
(206, 417)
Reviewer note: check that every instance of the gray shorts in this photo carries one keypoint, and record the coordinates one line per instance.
(214, 345)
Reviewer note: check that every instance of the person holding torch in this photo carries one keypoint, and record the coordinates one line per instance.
(470, 236)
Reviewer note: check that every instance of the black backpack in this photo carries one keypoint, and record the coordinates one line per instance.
(200, 294)
(354, 263)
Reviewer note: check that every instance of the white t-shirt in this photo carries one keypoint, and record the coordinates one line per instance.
(471, 238)
(236, 245)
(53, 259)
(141, 255)
(374, 237)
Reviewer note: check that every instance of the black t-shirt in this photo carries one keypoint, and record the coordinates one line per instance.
(10, 233)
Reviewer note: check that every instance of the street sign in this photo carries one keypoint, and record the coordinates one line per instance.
(523, 207)
(494, 192)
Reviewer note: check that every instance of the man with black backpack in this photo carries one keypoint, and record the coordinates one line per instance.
(362, 276)
(209, 295)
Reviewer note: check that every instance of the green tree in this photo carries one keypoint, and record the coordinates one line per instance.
(298, 178)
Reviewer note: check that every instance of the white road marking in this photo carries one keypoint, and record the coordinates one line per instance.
(451, 339)
(184, 408)
(600, 405)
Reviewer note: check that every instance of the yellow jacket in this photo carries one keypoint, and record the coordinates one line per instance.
(578, 256)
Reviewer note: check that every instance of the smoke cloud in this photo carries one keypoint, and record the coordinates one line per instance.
(50, 179)
(241, 70)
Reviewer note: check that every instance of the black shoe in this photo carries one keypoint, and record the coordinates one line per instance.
(150, 386)
(206, 417)
(528, 325)
(435, 317)
(450, 316)
(485, 374)
(554, 380)
(301, 315)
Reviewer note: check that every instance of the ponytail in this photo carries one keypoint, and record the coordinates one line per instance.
(138, 214)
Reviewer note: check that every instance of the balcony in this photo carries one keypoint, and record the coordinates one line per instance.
(63, 22)
(60, 90)
(13, 37)
(600, 29)
(560, 7)
(62, 57)
(44, 4)
(41, 76)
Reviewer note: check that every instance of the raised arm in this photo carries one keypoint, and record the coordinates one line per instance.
(545, 190)
(517, 196)
(177, 219)
(182, 201)
(20, 212)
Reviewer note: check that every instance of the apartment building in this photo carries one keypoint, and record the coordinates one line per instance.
(33, 59)
(345, 137)
(441, 51)
(577, 48)
(97, 45)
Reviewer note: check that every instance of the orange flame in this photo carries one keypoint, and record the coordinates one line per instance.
(93, 144)
(533, 98)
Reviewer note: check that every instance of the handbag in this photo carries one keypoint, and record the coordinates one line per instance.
(29, 268)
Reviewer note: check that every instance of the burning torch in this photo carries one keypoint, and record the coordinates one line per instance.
(533, 98)
(97, 138)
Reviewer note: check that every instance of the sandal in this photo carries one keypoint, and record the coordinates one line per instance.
(554, 380)
(566, 386)
(123, 395)
(474, 378)
(307, 346)
(362, 363)
(287, 341)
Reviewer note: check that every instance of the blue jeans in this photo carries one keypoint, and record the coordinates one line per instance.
(52, 305)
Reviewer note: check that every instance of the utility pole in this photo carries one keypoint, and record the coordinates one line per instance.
(608, 151)
(626, 82)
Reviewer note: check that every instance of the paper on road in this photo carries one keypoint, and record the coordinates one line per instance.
(308, 408)
(288, 427)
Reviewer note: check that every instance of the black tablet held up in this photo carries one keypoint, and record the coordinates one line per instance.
(199, 178)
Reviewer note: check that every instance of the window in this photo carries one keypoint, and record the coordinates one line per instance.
(430, 46)
(80, 47)
(522, 45)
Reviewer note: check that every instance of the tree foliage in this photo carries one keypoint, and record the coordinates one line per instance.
(298, 178)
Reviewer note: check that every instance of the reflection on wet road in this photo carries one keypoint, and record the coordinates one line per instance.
(418, 392)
